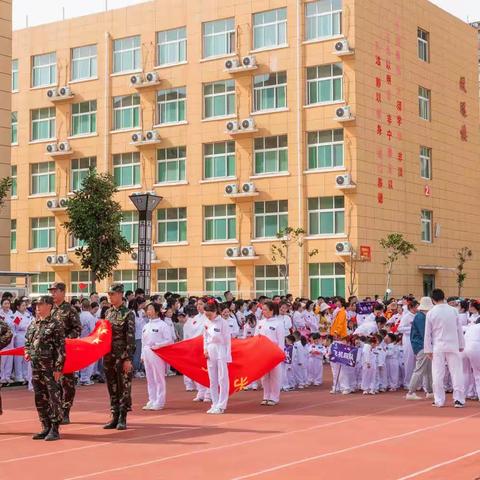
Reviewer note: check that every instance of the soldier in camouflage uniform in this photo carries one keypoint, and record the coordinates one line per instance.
(70, 317)
(6, 336)
(45, 348)
(118, 363)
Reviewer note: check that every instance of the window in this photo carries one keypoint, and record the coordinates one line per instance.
(84, 62)
(325, 149)
(426, 163)
(172, 280)
(44, 70)
(220, 279)
(270, 218)
(220, 222)
(324, 84)
(270, 91)
(270, 280)
(323, 19)
(126, 112)
(270, 28)
(79, 171)
(129, 227)
(427, 226)
(423, 38)
(271, 154)
(41, 281)
(172, 225)
(219, 160)
(126, 169)
(171, 105)
(424, 103)
(77, 280)
(14, 181)
(327, 279)
(172, 46)
(326, 216)
(15, 75)
(127, 54)
(43, 124)
(43, 232)
(218, 37)
(171, 164)
(219, 99)
(84, 118)
(14, 126)
(128, 278)
(74, 242)
(13, 235)
(42, 178)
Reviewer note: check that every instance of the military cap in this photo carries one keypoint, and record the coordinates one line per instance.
(118, 288)
(57, 286)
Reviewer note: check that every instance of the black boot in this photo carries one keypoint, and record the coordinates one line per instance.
(53, 433)
(122, 421)
(113, 422)
(66, 417)
(41, 435)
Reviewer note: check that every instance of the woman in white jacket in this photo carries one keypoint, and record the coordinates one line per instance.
(472, 351)
(217, 348)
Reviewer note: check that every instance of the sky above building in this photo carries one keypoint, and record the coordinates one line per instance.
(45, 11)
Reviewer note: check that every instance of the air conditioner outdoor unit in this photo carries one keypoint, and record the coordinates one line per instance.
(136, 79)
(342, 47)
(64, 146)
(52, 93)
(137, 137)
(65, 92)
(343, 248)
(232, 63)
(53, 203)
(152, 77)
(63, 202)
(232, 252)
(248, 124)
(152, 136)
(62, 259)
(134, 256)
(248, 187)
(232, 126)
(249, 61)
(343, 181)
(51, 259)
(343, 113)
(231, 189)
(248, 251)
(51, 148)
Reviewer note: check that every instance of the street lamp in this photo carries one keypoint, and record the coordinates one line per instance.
(145, 203)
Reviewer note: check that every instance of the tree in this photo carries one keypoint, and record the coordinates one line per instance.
(288, 236)
(395, 246)
(5, 186)
(463, 255)
(94, 220)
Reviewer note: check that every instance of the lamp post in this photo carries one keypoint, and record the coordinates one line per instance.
(145, 203)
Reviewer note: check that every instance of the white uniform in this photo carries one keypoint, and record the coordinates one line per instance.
(156, 333)
(382, 382)
(88, 322)
(233, 326)
(288, 379)
(274, 329)
(287, 322)
(472, 352)
(247, 332)
(298, 321)
(311, 321)
(6, 369)
(21, 322)
(217, 342)
(405, 328)
(367, 327)
(316, 352)
(444, 338)
(369, 364)
(393, 368)
(300, 364)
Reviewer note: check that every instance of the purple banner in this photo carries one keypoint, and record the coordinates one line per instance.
(365, 308)
(343, 354)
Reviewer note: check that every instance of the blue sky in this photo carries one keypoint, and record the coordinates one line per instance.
(44, 11)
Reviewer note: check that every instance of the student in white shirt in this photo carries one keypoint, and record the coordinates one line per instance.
(284, 315)
(443, 344)
(191, 329)
(199, 322)
(21, 320)
(7, 361)
(472, 351)
(88, 322)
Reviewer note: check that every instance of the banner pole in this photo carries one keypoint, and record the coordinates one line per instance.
(338, 377)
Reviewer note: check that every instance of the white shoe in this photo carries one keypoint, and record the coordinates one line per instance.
(429, 395)
(207, 400)
(412, 396)
(198, 399)
(148, 406)
(346, 392)
(156, 407)
(212, 410)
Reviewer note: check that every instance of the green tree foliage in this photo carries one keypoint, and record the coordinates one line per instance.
(463, 255)
(5, 186)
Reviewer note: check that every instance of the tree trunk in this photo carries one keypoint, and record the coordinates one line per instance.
(93, 278)
(389, 279)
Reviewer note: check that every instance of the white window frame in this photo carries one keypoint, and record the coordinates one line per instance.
(91, 114)
(51, 123)
(178, 100)
(332, 144)
(92, 163)
(120, 276)
(14, 128)
(266, 277)
(258, 91)
(118, 51)
(130, 219)
(331, 80)
(423, 39)
(335, 276)
(334, 210)
(424, 103)
(263, 215)
(75, 282)
(178, 160)
(168, 43)
(279, 24)
(264, 151)
(15, 75)
(91, 57)
(40, 283)
(36, 174)
(13, 234)
(229, 92)
(227, 275)
(165, 284)
(50, 228)
(427, 226)
(228, 34)
(180, 218)
(128, 160)
(51, 66)
(13, 175)
(228, 217)
(426, 162)
(132, 107)
(335, 13)
(222, 157)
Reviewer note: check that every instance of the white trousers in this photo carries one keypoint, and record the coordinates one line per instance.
(219, 382)
(20, 364)
(6, 369)
(455, 366)
(474, 357)
(288, 379)
(272, 383)
(315, 371)
(408, 359)
(300, 375)
(335, 376)
(368, 378)
(393, 372)
(381, 380)
(346, 379)
(155, 369)
(87, 372)
(189, 383)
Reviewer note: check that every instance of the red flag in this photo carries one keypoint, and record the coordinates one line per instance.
(17, 321)
(252, 359)
(81, 352)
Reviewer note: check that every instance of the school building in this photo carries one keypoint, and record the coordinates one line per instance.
(349, 119)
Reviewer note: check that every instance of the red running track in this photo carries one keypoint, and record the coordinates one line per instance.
(311, 434)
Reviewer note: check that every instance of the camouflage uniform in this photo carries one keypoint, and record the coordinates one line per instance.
(6, 336)
(123, 347)
(70, 318)
(45, 345)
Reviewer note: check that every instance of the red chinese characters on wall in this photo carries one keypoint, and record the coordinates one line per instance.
(463, 131)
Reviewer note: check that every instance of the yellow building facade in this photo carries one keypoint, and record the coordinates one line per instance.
(348, 119)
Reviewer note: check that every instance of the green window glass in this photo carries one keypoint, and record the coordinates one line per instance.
(270, 280)
(219, 99)
(323, 19)
(84, 63)
(15, 84)
(427, 224)
(172, 225)
(14, 181)
(219, 160)
(79, 171)
(270, 29)
(424, 103)
(172, 280)
(127, 54)
(271, 154)
(270, 91)
(126, 169)
(219, 222)
(129, 227)
(14, 127)
(270, 218)
(171, 164)
(220, 279)
(128, 278)
(325, 149)
(41, 281)
(43, 124)
(326, 216)
(78, 278)
(84, 118)
(325, 84)
(44, 70)
(172, 46)
(13, 234)
(43, 232)
(426, 163)
(42, 178)
(126, 112)
(327, 279)
(171, 105)
(218, 37)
